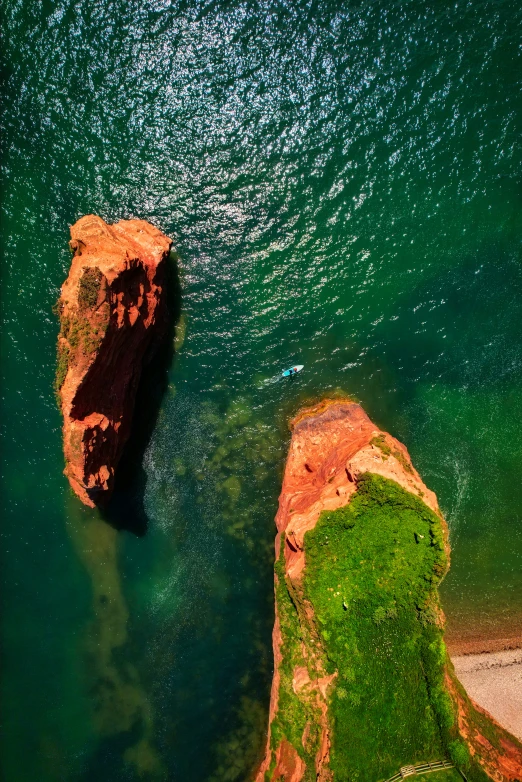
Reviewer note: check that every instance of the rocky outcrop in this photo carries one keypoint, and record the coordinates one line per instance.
(335, 450)
(332, 444)
(113, 314)
(493, 748)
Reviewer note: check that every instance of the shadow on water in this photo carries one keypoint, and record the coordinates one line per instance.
(125, 509)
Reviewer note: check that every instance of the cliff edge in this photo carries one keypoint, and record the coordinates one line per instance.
(113, 314)
(363, 685)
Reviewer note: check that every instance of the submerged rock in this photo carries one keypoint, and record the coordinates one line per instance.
(113, 314)
(363, 685)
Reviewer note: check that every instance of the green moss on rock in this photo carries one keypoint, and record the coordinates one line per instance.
(372, 567)
(79, 333)
(62, 365)
(371, 577)
(380, 442)
(89, 287)
(294, 711)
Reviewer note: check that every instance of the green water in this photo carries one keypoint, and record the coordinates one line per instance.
(344, 189)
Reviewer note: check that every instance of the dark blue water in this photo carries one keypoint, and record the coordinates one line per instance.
(343, 186)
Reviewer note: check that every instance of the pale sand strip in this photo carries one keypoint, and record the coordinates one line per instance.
(494, 681)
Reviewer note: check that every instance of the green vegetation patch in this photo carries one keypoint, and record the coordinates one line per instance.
(62, 365)
(380, 442)
(448, 775)
(294, 712)
(89, 287)
(371, 575)
(78, 332)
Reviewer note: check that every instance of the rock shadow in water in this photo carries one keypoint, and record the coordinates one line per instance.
(125, 510)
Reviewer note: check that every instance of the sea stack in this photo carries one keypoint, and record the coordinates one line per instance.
(363, 686)
(113, 315)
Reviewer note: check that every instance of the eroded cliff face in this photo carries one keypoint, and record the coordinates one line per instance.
(345, 614)
(113, 314)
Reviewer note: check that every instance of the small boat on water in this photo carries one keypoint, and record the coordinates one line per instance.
(292, 370)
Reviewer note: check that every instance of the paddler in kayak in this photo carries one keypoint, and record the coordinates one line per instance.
(292, 371)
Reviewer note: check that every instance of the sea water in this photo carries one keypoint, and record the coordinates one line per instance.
(343, 186)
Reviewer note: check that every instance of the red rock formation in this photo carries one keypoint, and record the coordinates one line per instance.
(332, 444)
(113, 313)
(289, 766)
(497, 753)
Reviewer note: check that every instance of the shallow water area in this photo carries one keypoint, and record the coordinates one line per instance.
(343, 187)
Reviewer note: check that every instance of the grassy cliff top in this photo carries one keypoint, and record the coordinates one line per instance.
(366, 613)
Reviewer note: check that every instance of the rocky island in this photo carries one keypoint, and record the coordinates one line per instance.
(363, 686)
(113, 314)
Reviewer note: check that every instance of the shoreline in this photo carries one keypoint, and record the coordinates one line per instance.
(493, 679)
(481, 645)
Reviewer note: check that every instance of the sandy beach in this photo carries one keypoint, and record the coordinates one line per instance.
(493, 679)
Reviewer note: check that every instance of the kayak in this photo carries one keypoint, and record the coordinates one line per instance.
(292, 370)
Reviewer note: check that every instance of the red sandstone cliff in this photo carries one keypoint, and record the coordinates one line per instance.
(333, 444)
(113, 313)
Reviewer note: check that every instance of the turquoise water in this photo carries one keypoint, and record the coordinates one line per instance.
(344, 190)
